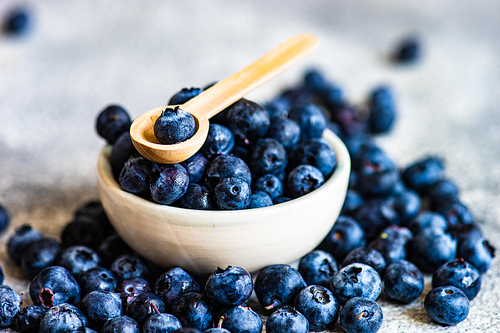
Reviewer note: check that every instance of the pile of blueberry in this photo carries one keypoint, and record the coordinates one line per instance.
(395, 226)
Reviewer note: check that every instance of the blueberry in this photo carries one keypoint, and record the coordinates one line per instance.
(382, 110)
(131, 287)
(4, 218)
(431, 248)
(173, 284)
(135, 174)
(28, 320)
(168, 183)
(303, 179)
(197, 197)
(286, 131)
(368, 256)
(310, 118)
(61, 318)
(94, 210)
(112, 122)
(241, 319)
(332, 96)
(447, 305)
(83, 230)
(193, 311)
(376, 214)
(319, 306)
(407, 204)
(143, 305)
(229, 287)
(352, 201)
(268, 156)
(122, 324)
(295, 96)
(82, 329)
(52, 286)
(318, 267)
(361, 315)
(260, 199)
(220, 140)
(478, 251)
(442, 190)
(377, 173)
(281, 200)
(403, 281)
(121, 151)
(161, 322)
(277, 285)
(316, 152)
(276, 108)
(98, 306)
(11, 305)
(227, 166)
(356, 280)
(423, 173)
(184, 95)
(17, 21)
(456, 214)
(174, 125)
(247, 120)
(111, 248)
(195, 166)
(128, 266)
(98, 278)
(349, 118)
(270, 184)
(232, 193)
(314, 80)
(392, 243)
(427, 219)
(287, 319)
(345, 235)
(463, 232)
(78, 259)
(19, 241)
(408, 50)
(38, 255)
(1, 276)
(458, 273)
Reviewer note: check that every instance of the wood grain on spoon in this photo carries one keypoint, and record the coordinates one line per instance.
(215, 99)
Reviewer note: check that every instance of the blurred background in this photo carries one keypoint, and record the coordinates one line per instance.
(77, 57)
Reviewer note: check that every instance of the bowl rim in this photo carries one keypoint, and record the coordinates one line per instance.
(340, 173)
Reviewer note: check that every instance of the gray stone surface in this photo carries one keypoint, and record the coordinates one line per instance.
(84, 55)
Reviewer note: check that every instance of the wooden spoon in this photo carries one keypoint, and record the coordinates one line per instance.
(215, 99)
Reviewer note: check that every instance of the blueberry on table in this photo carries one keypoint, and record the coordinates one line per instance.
(193, 311)
(345, 235)
(392, 243)
(232, 194)
(352, 201)
(240, 319)
(408, 204)
(268, 156)
(423, 173)
(368, 256)
(303, 179)
(319, 306)
(173, 126)
(316, 152)
(478, 251)
(427, 219)
(220, 140)
(361, 315)
(161, 322)
(247, 120)
(129, 266)
(197, 197)
(350, 119)
(376, 214)
(111, 248)
(431, 248)
(82, 230)
(143, 305)
(382, 110)
(95, 210)
(403, 281)
(131, 287)
(315, 81)
(229, 287)
(168, 183)
(311, 120)
(270, 184)
(174, 283)
(408, 50)
(286, 131)
(121, 151)
(19, 241)
(28, 320)
(4, 218)
(195, 166)
(135, 174)
(318, 267)
(112, 122)
(98, 278)
(356, 280)
(61, 318)
(98, 306)
(287, 319)
(376, 174)
(260, 199)
(52, 286)
(277, 285)
(39, 255)
(458, 273)
(122, 324)
(226, 166)
(10, 305)
(17, 21)
(184, 95)
(78, 259)
(447, 305)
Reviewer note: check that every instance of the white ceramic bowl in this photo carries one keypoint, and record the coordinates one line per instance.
(200, 241)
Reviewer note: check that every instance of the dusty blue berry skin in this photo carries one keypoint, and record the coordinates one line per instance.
(39, 255)
(111, 248)
(319, 306)
(193, 311)
(241, 319)
(458, 273)
(287, 319)
(368, 256)
(196, 166)
(168, 183)
(216, 330)
(78, 259)
(424, 173)
(82, 329)
(98, 278)
(62, 318)
(232, 194)
(94, 210)
(356, 280)
(23, 236)
(408, 50)
(316, 152)
(303, 179)
(17, 21)
(403, 281)
(98, 306)
(143, 305)
(161, 322)
(174, 125)
(318, 267)
(392, 243)
(260, 199)
(184, 95)
(11, 305)
(427, 219)
(135, 174)
(131, 287)
(229, 287)
(277, 285)
(442, 190)
(268, 156)
(4, 218)
(314, 80)
(478, 251)
(408, 204)
(270, 184)
(226, 166)
(382, 110)
(187, 330)
(121, 324)
(286, 131)
(197, 197)
(112, 122)
(377, 173)
(431, 248)
(247, 120)
(174, 283)
(28, 320)
(361, 315)
(447, 305)
(310, 118)
(376, 214)
(352, 201)
(82, 230)
(345, 235)
(129, 266)
(220, 140)
(121, 151)
(54, 285)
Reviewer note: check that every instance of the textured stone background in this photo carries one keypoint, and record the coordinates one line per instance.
(82, 55)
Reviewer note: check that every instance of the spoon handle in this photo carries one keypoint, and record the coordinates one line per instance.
(226, 92)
